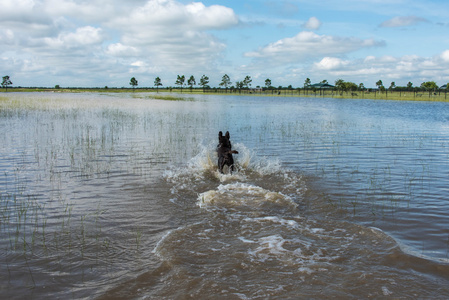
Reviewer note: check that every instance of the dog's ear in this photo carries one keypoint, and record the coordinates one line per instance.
(220, 134)
(228, 136)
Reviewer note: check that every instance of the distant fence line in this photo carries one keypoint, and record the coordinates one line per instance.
(416, 93)
(333, 93)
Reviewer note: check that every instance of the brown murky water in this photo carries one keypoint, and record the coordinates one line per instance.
(118, 196)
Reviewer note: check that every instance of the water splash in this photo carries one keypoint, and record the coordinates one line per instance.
(253, 175)
(243, 194)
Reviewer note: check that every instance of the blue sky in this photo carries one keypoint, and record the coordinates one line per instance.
(101, 43)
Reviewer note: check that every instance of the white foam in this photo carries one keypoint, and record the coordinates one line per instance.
(317, 230)
(273, 243)
(198, 164)
(276, 220)
(268, 246)
(245, 240)
(242, 194)
(386, 291)
(156, 249)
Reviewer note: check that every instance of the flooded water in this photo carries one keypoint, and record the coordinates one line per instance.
(117, 196)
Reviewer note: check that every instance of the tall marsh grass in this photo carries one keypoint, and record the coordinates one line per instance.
(55, 152)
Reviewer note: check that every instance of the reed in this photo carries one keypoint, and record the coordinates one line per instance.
(78, 139)
(171, 98)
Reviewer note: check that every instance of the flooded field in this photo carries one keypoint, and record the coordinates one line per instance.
(117, 196)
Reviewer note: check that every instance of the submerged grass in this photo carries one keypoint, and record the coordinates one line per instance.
(171, 98)
(163, 97)
(382, 164)
(69, 140)
(49, 144)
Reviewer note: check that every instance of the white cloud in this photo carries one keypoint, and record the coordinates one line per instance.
(402, 21)
(87, 35)
(60, 35)
(445, 56)
(212, 17)
(307, 44)
(120, 50)
(173, 15)
(371, 68)
(138, 63)
(104, 41)
(6, 37)
(330, 63)
(84, 36)
(312, 24)
(91, 11)
(173, 34)
(22, 11)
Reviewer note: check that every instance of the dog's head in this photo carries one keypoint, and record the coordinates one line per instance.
(224, 141)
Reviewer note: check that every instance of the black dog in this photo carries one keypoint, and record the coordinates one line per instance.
(224, 151)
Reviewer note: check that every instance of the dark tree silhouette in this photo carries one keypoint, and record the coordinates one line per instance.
(204, 81)
(133, 82)
(6, 82)
(157, 83)
(225, 81)
(180, 81)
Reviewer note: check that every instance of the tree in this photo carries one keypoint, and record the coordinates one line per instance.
(339, 84)
(6, 82)
(380, 85)
(247, 81)
(225, 81)
(133, 82)
(361, 86)
(180, 81)
(392, 85)
(324, 81)
(204, 81)
(157, 83)
(350, 86)
(307, 82)
(342, 85)
(409, 86)
(429, 85)
(268, 83)
(191, 82)
(239, 85)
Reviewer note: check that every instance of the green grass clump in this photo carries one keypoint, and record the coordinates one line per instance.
(166, 97)
(170, 98)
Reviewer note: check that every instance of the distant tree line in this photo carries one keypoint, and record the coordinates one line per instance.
(245, 84)
(340, 85)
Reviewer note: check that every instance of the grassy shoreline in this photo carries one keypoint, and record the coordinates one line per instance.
(387, 95)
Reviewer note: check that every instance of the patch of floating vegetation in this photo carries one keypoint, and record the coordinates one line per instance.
(163, 97)
(171, 98)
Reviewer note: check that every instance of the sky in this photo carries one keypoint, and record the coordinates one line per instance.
(98, 43)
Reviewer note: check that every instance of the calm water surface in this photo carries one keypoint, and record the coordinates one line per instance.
(117, 196)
